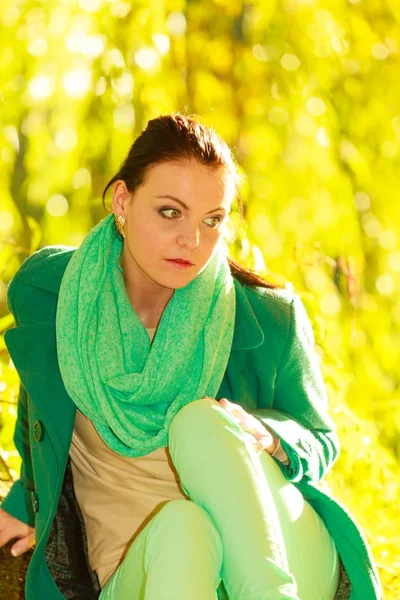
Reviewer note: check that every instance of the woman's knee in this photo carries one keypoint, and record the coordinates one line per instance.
(197, 414)
(186, 516)
(199, 429)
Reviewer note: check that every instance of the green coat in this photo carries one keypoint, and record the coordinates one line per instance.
(273, 372)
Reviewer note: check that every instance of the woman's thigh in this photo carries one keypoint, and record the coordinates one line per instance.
(245, 492)
(312, 556)
(178, 555)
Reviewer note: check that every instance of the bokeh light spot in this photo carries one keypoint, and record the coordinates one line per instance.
(176, 23)
(81, 178)
(315, 106)
(379, 51)
(384, 284)
(362, 201)
(124, 117)
(290, 62)
(330, 304)
(146, 58)
(37, 47)
(306, 125)
(322, 137)
(77, 83)
(41, 87)
(123, 85)
(388, 239)
(394, 261)
(6, 221)
(161, 42)
(90, 6)
(66, 140)
(371, 225)
(57, 205)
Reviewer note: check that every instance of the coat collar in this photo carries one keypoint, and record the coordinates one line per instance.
(45, 269)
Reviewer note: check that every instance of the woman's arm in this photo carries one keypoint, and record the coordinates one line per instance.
(18, 501)
(299, 416)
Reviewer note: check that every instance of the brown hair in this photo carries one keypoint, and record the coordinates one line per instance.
(178, 137)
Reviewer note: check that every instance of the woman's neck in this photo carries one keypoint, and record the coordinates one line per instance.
(149, 310)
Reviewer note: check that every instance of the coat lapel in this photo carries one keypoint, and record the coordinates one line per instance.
(247, 333)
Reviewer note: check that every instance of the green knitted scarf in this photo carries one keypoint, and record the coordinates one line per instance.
(129, 388)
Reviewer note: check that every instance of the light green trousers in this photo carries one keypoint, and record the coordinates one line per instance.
(244, 524)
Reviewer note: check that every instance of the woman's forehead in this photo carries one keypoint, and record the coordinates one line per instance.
(188, 178)
(179, 168)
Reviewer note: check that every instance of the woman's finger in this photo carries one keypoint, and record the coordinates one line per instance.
(231, 405)
(247, 421)
(263, 439)
(23, 545)
(235, 410)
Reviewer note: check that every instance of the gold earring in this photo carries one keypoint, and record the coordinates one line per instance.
(119, 224)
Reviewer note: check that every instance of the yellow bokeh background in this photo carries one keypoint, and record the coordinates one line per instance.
(307, 95)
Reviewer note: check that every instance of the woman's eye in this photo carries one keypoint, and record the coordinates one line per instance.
(163, 210)
(216, 220)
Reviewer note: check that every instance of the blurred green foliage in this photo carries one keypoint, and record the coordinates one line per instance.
(307, 94)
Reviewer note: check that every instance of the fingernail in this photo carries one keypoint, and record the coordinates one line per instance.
(15, 551)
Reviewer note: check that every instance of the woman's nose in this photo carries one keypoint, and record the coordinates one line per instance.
(190, 237)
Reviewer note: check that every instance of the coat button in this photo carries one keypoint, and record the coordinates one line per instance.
(37, 431)
(35, 502)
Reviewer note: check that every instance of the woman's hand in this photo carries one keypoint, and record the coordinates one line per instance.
(11, 528)
(263, 439)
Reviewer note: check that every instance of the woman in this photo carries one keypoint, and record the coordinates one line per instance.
(172, 421)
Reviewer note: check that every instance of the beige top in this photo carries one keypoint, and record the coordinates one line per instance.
(117, 495)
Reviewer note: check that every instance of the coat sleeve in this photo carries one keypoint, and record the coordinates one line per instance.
(299, 414)
(18, 500)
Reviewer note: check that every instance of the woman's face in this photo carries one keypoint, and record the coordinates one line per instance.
(180, 211)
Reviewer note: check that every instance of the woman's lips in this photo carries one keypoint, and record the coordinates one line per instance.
(179, 264)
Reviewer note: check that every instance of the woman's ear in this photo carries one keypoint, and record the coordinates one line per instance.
(120, 198)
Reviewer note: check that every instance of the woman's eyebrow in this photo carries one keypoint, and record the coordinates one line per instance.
(185, 206)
